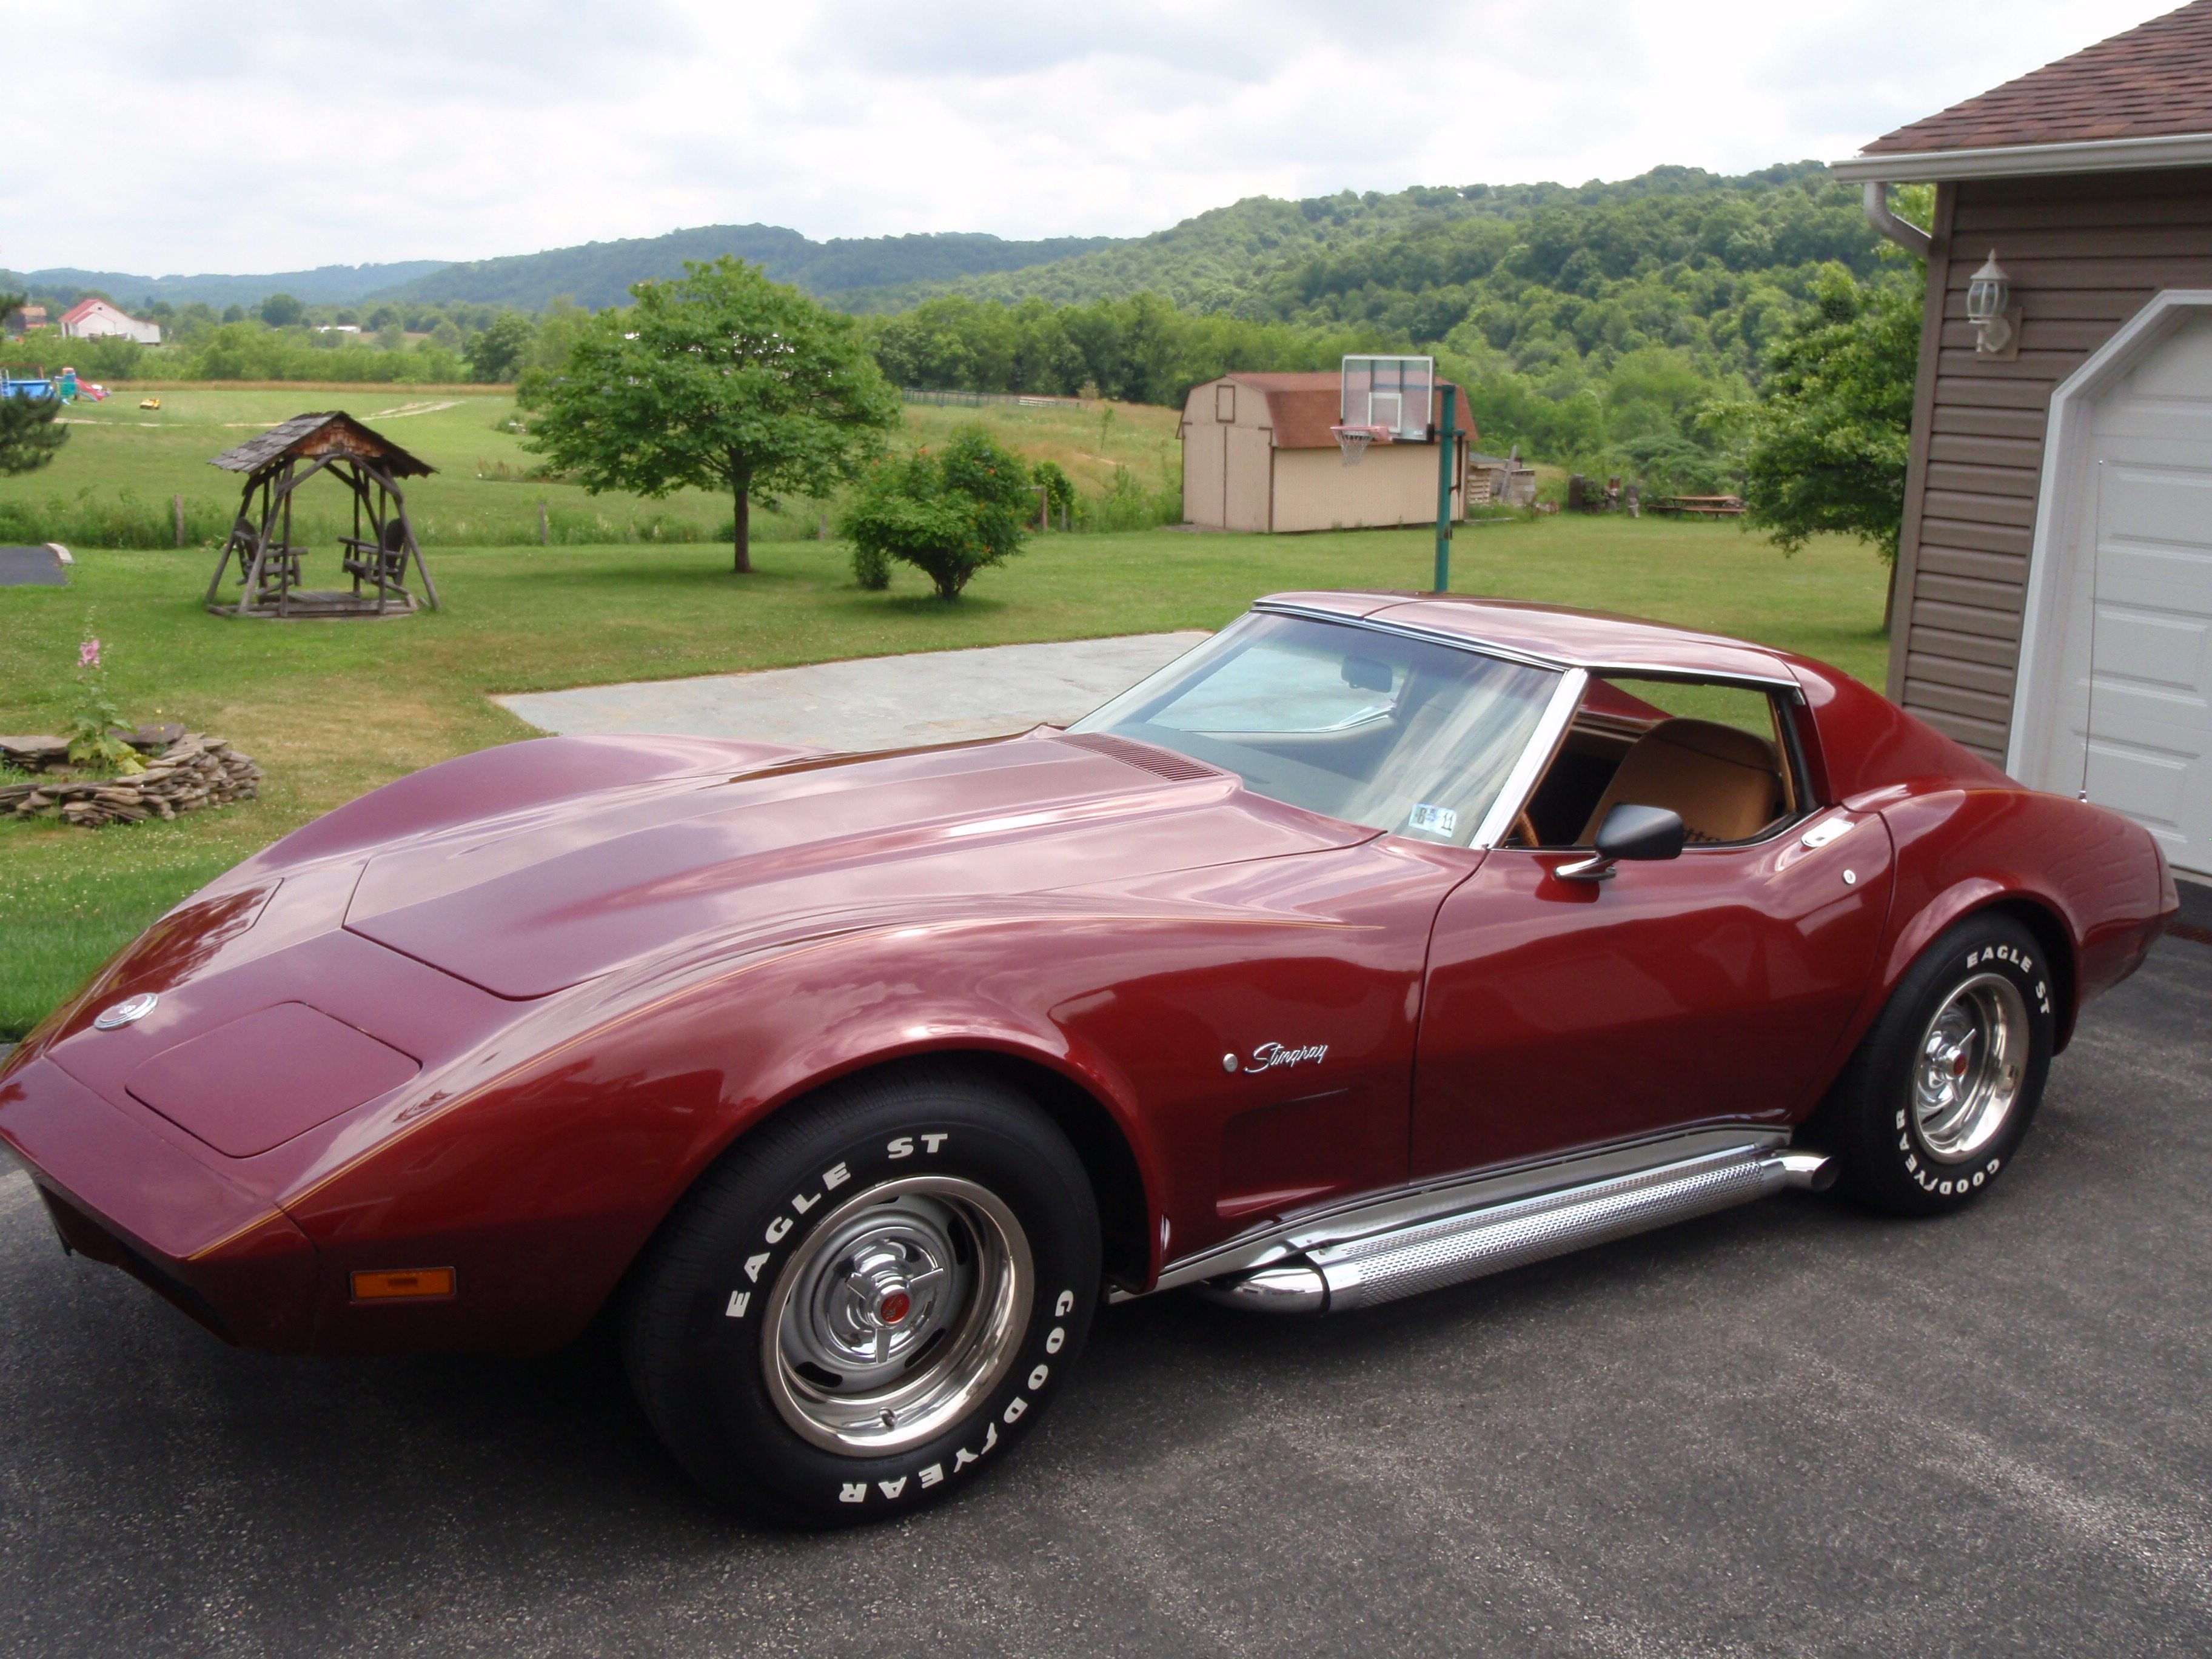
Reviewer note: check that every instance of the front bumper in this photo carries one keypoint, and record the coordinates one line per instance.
(122, 1191)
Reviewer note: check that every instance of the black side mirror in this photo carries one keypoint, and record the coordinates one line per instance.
(1640, 834)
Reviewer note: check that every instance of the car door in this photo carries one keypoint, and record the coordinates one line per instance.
(1563, 1014)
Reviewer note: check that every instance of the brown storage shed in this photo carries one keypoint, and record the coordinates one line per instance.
(2054, 588)
(1258, 454)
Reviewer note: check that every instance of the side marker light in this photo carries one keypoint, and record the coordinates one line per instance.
(411, 1283)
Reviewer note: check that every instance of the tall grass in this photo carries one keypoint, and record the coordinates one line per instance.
(1125, 504)
(126, 518)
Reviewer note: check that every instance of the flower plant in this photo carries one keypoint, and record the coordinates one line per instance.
(95, 723)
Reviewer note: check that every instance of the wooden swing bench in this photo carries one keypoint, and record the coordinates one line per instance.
(268, 562)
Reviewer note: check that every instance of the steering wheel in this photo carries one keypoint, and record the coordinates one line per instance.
(1524, 827)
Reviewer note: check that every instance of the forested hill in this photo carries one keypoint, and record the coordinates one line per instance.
(1614, 324)
(600, 274)
(335, 285)
(1277, 260)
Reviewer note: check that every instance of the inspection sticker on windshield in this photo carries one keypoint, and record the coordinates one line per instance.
(1433, 820)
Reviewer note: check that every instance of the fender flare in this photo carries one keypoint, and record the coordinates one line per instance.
(1965, 898)
(1003, 1047)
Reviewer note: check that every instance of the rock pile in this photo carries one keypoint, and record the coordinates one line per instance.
(185, 771)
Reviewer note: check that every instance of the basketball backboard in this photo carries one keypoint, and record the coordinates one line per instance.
(1391, 392)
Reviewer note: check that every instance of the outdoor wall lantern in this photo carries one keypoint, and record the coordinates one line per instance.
(1990, 309)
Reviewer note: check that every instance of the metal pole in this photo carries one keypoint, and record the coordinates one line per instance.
(1445, 436)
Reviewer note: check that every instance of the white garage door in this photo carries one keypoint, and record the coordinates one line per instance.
(2150, 749)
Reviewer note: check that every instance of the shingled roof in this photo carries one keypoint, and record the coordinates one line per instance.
(2150, 82)
(1301, 406)
(312, 436)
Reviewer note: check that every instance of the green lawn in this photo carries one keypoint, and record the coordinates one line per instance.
(120, 458)
(125, 464)
(331, 709)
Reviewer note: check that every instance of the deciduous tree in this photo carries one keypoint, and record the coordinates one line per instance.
(718, 380)
(1833, 422)
(499, 351)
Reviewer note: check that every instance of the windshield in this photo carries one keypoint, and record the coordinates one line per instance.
(1378, 728)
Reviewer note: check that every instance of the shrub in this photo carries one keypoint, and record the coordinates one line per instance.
(1059, 489)
(949, 516)
(871, 567)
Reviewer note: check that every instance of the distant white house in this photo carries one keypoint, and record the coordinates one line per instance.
(92, 319)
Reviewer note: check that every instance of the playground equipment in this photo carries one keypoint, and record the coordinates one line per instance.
(39, 385)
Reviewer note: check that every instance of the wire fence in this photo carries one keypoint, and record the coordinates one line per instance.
(979, 399)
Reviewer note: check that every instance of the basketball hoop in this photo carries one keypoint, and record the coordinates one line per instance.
(1353, 440)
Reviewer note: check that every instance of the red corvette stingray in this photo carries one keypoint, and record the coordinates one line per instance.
(1381, 942)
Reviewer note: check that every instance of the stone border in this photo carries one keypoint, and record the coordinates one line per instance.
(189, 771)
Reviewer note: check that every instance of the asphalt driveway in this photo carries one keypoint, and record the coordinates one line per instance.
(1789, 1429)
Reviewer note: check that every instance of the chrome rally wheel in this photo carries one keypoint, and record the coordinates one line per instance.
(1936, 1101)
(1973, 1058)
(870, 1299)
(902, 1309)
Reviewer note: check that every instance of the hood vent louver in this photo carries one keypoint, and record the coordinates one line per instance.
(1160, 763)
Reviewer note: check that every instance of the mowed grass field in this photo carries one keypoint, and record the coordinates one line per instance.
(120, 458)
(331, 709)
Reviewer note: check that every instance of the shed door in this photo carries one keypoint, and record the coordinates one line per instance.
(2150, 718)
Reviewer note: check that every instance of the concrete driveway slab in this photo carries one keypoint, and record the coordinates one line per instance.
(872, 702)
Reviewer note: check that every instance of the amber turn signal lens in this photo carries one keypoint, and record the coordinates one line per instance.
(413, 1283)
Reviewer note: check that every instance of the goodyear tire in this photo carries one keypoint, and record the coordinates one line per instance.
(1937, 1099)
(869, 1300)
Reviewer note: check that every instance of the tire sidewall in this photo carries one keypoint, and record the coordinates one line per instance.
(1894, 1154)
(753, 1456)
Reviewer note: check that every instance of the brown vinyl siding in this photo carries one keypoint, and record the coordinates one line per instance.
(2084, 253)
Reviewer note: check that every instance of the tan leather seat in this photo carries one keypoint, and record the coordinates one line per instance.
(1722, 781)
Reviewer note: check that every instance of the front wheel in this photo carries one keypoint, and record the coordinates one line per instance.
(1938, 1097)
(868, 1300)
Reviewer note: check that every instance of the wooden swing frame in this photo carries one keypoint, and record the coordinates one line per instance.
(267, 561)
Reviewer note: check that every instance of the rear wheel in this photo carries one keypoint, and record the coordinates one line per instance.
(1941, 1091)
(867, 1301)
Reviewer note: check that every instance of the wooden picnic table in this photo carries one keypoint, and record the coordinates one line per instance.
(1704, 506)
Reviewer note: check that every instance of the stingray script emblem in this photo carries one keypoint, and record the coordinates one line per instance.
(1269, 1055)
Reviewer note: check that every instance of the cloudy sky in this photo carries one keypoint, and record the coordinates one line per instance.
(264, 134)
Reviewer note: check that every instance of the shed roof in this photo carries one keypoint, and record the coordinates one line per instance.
(1303, 405)
(2154, 81)
(312, 436)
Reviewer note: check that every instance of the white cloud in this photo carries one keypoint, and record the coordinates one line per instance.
(259, 136)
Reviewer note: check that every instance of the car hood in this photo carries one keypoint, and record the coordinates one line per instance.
(533, 903)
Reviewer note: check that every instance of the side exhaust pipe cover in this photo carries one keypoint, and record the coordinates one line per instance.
(1362, 1273)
